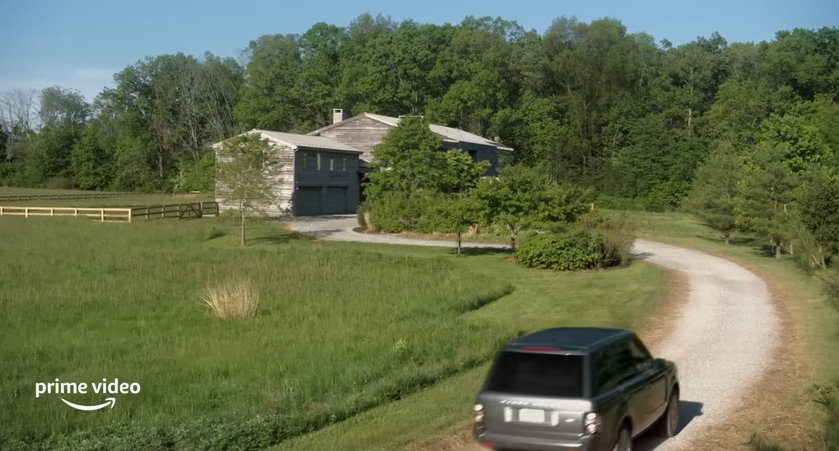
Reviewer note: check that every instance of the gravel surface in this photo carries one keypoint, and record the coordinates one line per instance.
(722, 342)
(340, 228)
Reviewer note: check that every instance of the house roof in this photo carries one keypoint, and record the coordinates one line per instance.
(295, 141)
(448, 133)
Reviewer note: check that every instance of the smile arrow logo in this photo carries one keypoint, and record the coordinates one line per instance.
(110, 401)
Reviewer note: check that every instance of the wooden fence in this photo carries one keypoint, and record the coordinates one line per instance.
(74, 196)
(179, 211)
(102, 214)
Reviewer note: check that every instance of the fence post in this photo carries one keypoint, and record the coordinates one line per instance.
(52, 211)
(101, 215)
(75, 212)
(179, 212)
(25, 212)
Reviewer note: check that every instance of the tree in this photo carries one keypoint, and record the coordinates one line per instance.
(523, 197)
(713, 197)
(818, 212)
(407, 160)
(410, 160)
(456, 214)
(764, 190)
(247, 173)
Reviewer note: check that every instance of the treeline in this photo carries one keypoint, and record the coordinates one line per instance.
(593, 103)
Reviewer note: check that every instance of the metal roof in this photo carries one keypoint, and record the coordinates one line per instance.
(316, 142)
(452, 134)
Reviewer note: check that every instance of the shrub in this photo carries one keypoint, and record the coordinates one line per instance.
(234, 299)
(360, 215)
(618, 233)
(570, 251)
(398, 213)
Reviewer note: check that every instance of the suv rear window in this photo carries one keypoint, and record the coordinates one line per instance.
(530, 374)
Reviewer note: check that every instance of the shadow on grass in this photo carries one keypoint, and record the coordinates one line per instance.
(278, 237)
(476, 251)
(482, 301)
(732, 241)
(307, 219)
(640, 255)
(688, 411)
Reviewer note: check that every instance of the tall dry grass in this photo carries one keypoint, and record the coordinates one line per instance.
(236, 298)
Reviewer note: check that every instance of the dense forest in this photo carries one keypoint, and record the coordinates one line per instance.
(591, 102)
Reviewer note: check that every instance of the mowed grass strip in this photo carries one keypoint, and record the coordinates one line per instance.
(140, 200)
(340, 328)
(15, 191)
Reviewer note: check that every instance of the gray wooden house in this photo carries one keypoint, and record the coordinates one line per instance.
(365, 130)
(319, 176)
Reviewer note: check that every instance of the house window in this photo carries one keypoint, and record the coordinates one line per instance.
(318, 161)
(332, 165)
(473, 154)
(304, 160)
(344, 163)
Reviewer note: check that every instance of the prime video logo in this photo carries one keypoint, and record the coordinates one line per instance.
(114, 387)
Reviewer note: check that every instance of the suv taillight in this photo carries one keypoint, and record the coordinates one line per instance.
(592, 423)
(479, 413)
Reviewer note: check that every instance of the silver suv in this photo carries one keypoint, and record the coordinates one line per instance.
(575, 388)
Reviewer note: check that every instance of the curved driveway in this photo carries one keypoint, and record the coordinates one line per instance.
(722, 341)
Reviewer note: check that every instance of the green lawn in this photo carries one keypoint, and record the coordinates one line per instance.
(614, 298)
(13, 191)
(139, 200)
(83, 301)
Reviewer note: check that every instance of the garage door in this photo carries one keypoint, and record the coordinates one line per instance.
(336, 201)
(307, 202)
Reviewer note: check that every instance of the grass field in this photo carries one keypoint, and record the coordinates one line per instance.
(140, 200)
(14, 191)
(342, 327)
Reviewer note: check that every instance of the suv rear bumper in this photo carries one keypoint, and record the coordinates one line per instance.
(501, 442)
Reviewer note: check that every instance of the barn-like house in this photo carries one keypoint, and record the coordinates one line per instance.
(365, 130)
(323, 170)
(319, 175)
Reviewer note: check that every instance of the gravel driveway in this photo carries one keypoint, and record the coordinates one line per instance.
(722, 342)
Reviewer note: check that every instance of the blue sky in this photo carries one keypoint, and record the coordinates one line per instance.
(81, 43)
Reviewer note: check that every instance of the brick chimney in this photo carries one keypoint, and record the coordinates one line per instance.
(338, 115)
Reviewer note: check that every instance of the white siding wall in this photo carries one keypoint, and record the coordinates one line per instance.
(284, 186)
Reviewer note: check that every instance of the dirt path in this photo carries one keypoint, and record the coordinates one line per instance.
(723, 335)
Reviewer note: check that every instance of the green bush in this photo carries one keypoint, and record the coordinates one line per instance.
(618, 233)
(198, 175)
(398, 213)
(570, 251)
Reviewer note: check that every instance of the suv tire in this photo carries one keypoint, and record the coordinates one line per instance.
(668, 424)
(624, 442)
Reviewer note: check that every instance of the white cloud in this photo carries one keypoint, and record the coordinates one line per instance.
(89, 81)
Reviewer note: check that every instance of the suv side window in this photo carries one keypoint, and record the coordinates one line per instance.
(637, 352)
(609, 368)
(616, 363)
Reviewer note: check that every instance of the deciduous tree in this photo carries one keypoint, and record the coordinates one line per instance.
(247, 173)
